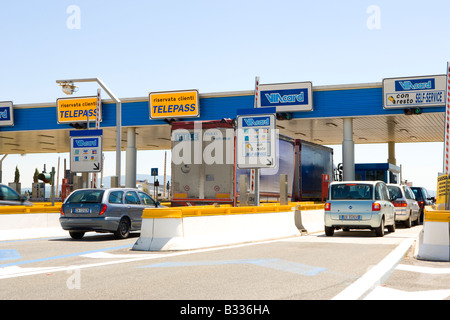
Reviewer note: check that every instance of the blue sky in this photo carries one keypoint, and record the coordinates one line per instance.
(140, 46)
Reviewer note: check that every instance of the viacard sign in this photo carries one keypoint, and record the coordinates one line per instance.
(427, 91)
(286, 97)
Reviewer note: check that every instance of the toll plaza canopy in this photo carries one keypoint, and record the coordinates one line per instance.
(379, 113)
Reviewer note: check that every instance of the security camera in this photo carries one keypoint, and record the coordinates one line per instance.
(68, 88)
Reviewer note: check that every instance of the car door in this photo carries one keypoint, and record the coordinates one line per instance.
(115, 204)
(146, 202)
(411, 198)
(386, 204)
(133, 208)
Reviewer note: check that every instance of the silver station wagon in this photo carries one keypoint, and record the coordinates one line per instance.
(359, 205)
(116, 210)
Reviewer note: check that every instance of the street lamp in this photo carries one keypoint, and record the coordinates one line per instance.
(68, 87)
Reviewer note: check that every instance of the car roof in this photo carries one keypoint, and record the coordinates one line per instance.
(356, 182)
(109, 189)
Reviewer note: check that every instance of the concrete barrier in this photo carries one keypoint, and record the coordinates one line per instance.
(434, 239)
(23, 222)
(186, 228)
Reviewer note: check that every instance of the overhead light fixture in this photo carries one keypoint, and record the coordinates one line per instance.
(68, 87)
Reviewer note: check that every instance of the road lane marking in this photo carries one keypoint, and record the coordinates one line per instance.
(277, 264)
(6, 273)
(385, 293)
(9, 254)
(375, 275)
(420, 269)
(60, 257)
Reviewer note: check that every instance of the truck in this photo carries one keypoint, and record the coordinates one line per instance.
(204, 171)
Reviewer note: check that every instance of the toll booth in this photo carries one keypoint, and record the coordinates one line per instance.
(386, 172)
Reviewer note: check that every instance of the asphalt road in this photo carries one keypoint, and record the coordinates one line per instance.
(311, 267)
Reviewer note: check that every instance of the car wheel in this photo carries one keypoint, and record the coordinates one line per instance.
(123, 231)
(391, 228)
(408, 221)
(329, 231)
(380, 230)
(76, 234)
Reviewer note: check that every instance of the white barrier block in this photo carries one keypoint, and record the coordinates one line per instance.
(434, 243)
(196, 232)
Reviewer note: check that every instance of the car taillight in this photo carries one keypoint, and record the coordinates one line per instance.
(421, 203)
(104, 207)
(401, 204)
(376, 206)
(61, 210)
(327, 206)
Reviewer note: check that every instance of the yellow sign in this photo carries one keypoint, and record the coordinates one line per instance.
(179, 104)
(71, 110)
(440, 193)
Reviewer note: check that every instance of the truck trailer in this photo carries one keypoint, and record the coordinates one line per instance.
(204, 170)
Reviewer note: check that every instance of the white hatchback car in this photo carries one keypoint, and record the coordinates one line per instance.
(359, 205)
(407, 209)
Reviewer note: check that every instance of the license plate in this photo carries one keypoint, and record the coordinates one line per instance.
(81, 210)
(349, 217)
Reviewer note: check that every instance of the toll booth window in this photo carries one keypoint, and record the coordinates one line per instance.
(373, 175)
(116, 197)
(392, 177)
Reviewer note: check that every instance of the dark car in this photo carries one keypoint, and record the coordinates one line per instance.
(423, 199)
(116, 210)
(10, 197)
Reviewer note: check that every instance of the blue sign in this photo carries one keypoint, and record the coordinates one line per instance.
(286, 97)
(415, 84)
(6, 113)
(273, 98)
(85, 142)
(154, 172)
(255, 121)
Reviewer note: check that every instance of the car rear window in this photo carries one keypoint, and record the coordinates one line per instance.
(351, 191)
(395, 191)
(86, 196)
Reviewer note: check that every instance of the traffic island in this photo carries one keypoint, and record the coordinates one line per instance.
(187, 228)
(434, 239)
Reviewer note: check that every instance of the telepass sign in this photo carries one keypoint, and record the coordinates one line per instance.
(71, 110)
(174, 104)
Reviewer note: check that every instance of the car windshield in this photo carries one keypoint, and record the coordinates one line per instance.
(7, 193)
(86, 196)
(350, 191)
(395, 191)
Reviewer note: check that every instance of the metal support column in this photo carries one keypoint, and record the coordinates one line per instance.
(130, 170)
(391, 153)
(348, 151)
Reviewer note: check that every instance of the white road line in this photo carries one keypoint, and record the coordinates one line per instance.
(385, 293)
(376, 275)
(420, 269)
(15, 271)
